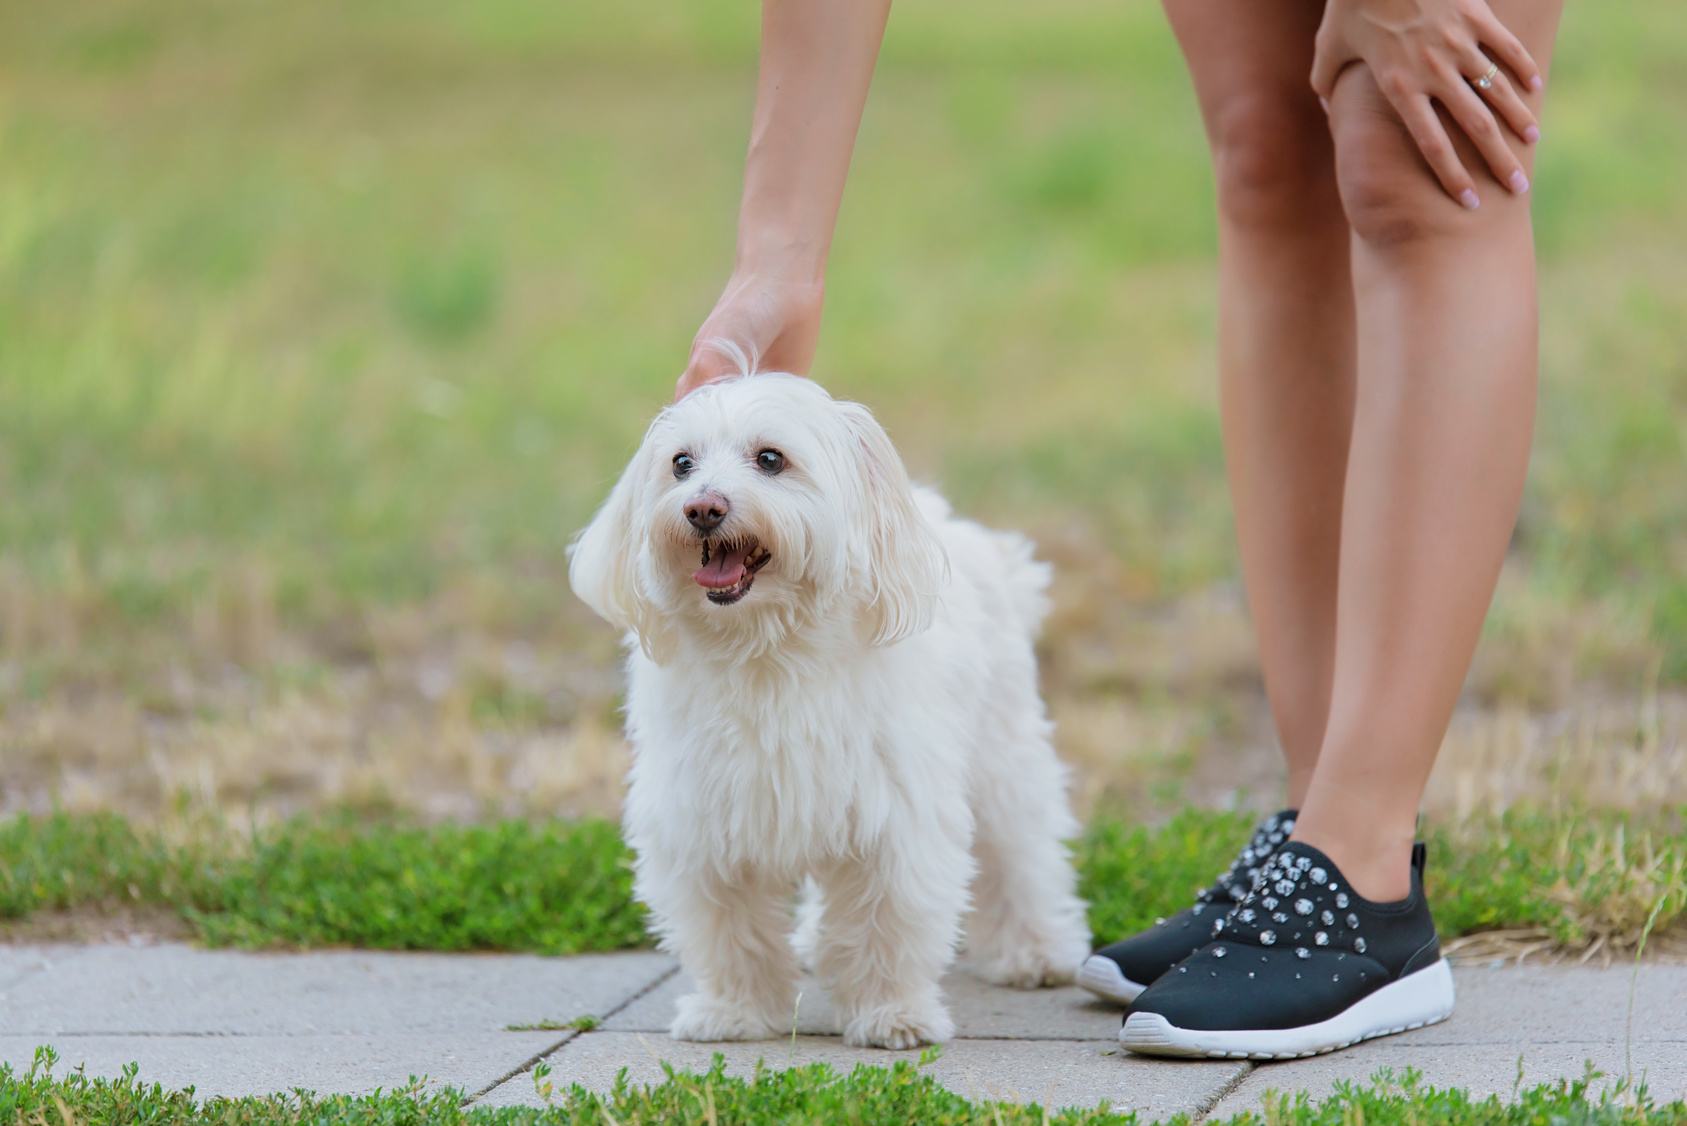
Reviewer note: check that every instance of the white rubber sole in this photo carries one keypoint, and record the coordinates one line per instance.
(1103, 977)
(1421, 998)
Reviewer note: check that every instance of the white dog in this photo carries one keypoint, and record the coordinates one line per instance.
(833, 679)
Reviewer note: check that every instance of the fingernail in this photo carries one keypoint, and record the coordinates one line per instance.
(1325, 102)
(1532, 135)
(1518, 182)
(1536, 82)
(1468, 198)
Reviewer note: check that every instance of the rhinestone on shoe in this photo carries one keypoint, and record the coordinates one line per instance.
(1303, 862)
(1359, 945)
(1247, 915)
(1219, 951)
(1321, 939)
(1353, 920)
(1302, 952)
(1285, 887)
(1329, 918)
(1266, 938)
(1279, 917)
(1318, 875)
(1341, 899)
(1303, 907)
(1270, 903)
(1198, 908)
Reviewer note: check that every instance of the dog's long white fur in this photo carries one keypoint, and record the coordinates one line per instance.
(866, 717)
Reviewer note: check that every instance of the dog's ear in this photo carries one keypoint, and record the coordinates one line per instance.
(603, 563)
(906, 564)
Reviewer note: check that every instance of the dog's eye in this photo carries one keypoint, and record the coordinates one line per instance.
(770, 461)
(683, 465)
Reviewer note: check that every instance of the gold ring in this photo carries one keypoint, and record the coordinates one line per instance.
(1486, 82)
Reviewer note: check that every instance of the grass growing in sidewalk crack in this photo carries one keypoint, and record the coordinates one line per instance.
(579, 1024)
(1584, 881)
(867, 1096)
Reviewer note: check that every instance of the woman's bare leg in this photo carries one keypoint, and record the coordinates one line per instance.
(1441, 431)
(1286, 339)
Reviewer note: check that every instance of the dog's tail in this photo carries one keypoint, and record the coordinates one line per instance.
(1027, 580)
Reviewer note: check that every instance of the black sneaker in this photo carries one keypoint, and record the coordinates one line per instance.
(1121, 971)
(1302, 965)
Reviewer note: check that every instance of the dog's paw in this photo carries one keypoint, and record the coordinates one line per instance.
(900, 1027)
(714, 1018)
(1030, 969)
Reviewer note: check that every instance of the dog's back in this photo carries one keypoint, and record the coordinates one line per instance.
(1002, 564)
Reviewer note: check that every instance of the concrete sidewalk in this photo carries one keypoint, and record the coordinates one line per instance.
(232, 1023)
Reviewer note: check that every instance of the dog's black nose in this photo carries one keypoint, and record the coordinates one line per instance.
(706, 511)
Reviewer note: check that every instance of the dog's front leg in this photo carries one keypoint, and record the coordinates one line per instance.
(888, 933)
(731, 936)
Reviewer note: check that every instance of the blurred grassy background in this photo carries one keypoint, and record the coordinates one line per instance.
(324, 325)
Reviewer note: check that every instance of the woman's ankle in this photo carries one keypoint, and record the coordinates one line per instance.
(1378, 865)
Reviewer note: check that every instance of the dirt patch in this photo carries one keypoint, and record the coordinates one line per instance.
(134, 926)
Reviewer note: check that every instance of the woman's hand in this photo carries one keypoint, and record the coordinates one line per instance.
(1440, 50)
(774, 321)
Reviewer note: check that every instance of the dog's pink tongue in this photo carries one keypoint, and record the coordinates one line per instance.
(723, 569)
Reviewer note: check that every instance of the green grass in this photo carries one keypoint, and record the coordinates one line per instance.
(583, 1023)
(893, 1096)
(336, 304)
(565, 887)
(553, 887)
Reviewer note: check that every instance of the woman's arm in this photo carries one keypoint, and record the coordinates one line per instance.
(1454, 52)
(817, 60)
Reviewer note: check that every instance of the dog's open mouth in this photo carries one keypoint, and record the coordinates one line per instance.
(729, 567)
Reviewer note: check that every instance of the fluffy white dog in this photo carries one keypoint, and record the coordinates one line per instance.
(833, 680)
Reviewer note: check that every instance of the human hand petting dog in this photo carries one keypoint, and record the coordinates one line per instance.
(1455, 52)
(771, 317)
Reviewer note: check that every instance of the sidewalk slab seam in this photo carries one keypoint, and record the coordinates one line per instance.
(1248, 1068)
(571, 1035)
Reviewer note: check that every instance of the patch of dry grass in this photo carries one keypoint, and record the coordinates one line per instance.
(450, 709)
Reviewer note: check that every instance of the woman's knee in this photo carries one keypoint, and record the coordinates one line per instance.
(1273, 160)
(1390, 196)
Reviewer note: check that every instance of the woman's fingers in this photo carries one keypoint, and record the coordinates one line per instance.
(706, 365)
(1507, 48)
(1330, 55)
(1437, 148)
(1477, 121)
(1503, 96)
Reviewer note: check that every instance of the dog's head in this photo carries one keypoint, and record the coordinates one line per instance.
(754, 506)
